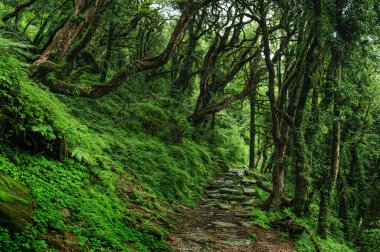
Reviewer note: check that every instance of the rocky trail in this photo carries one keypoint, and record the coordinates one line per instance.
(223, 223)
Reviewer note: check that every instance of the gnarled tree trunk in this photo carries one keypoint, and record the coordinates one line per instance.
(302, 184)
(60, 46)
(252, 131)
(81, 16)
(335, 148)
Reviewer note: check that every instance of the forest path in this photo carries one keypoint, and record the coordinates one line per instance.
(222, 222)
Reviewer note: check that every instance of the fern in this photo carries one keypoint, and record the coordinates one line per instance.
(8, 47)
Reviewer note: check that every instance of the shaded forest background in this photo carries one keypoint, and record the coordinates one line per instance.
(116, 114)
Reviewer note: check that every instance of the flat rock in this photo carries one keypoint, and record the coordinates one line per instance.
(243, 215)
(217, 183)
(238, 242)
(223, 224)
(65, 212)
(231, 191)
(224, 206)
(245, 224)
(249, 191)
(248, 181)
(249, 202)
(199, 235)
(234, 197)
(229, 182)
(209, 205)
(16, 208)
(236, 186)
(225, 174)
(215, 195)
(237, 172)
(250, 208)
(212, 191)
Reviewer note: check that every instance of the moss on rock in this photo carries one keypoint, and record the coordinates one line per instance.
(15, 204)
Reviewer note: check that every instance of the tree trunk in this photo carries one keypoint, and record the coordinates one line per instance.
(279, 143)
(278, 175)
(81, 43)
(372, 214)
(258, 158)
(204, 96)
(53, 15)
(323, 208)
(356, 178)
(81, 16)
(37, 38)
(252, 132)
(264, 154)
(269, 166)
(98, 90)
(335, 147)
(342, 203)
(183, 80)
(301, 193)
(107, 59)
(52, 31)
(335, 155)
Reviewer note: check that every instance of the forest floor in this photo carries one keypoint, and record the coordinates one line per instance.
(222, 221)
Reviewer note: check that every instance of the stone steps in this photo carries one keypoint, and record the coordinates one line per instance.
(231, 188)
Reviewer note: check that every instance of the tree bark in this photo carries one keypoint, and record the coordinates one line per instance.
(80, 18)
(264, 154)
(210, 85)
(356, 171)
(52, 31)
(301, 193)
(202, 109)
(107, 59)
(342, 203)
(37, 38)
(278, 175)
(335, 148)
(183, 80)
(53, 15)
(279, 143)
(323, 208)
(372, 214)
(252, 131)
(269, 166)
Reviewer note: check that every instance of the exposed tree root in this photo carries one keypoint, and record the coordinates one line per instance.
(287, 224)
(259, 177)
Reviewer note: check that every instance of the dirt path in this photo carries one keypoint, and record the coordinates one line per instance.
(222, 223)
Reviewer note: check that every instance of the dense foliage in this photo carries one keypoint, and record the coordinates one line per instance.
(116, 114)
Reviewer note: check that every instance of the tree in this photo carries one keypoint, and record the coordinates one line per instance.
(60, 46)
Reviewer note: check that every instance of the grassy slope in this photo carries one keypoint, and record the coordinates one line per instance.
(114, 172)
(131, 163)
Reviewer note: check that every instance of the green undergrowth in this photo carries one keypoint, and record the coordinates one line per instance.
(334, 242)
(70, 201)
(130, 162)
